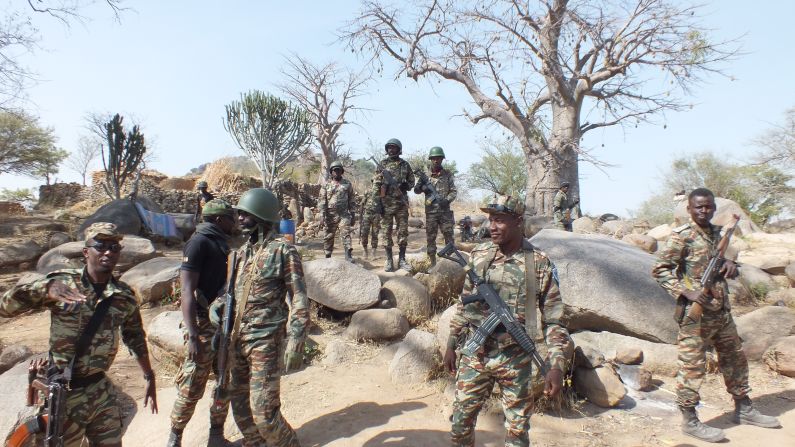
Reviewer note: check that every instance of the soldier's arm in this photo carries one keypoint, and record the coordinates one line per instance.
(351, 201)
(459, 322)
(25, 297)
(133, 335)
(299, 305)
(452, 191)
(410, 176)
(665, 269)
(322, 201)
(556, 335)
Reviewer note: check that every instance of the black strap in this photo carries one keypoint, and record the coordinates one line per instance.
(88, 334)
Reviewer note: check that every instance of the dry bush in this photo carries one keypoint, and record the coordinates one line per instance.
(222, 178)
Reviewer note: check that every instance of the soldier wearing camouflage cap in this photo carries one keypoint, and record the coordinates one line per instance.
(202, 197)
(527, 281)
(438, 215)
(564, 208)
(204, 259)
(395, 202)
(72, 296)
(337, 207)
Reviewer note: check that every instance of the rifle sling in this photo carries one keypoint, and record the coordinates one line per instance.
(83, 342)
(242, 301)
(531, 291)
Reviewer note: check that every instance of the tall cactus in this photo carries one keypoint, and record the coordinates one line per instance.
(125, 152)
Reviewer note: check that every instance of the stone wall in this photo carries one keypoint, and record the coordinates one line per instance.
(11, 208)
(61, 195)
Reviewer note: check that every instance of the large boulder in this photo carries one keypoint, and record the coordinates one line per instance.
(752, 276)
(70, 255)
(770, 252)
(341, 285)
(154, 279)
(780, 357)
(445, 281)
(377, 324)
(607, 286)
(337, 352)
(417, 356)
(443, 327)
(642, 241)
(12, 355)
(14, 409)
(16, 253)
(635, 377)
(661, 232)
(164, 332)
(601, 386)
(583, 225)
(410, 296)
(121, 212)
(657, 357)
(763, 327)
(534, 224)
(789, 271)
(723, 216)
(617, 228)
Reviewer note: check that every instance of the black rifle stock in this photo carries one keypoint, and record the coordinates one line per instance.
(431, 195)
(56, 405)
(227, 326)
(500, 313)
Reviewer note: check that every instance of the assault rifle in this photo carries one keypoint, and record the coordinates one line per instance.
(51, 423)
(711, 274)
(431, 195)
(227, 327)
(388, 184)
(500, 313)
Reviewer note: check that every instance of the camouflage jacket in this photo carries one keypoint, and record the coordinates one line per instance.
(273, 269)
(401, 172)
(369, 202)
(444, 183)
(507, 276)
(67, 322)
(560, 205)
(684, 259)
(336, 197)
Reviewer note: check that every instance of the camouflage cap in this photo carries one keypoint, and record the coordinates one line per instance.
(217, 207)
(103, 231)
(564, 184)
(201, 184)
(502, 204)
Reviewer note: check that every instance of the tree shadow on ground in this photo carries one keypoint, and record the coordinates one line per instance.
(349, 421)
(774, 404)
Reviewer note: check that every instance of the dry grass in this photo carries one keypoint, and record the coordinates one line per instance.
(222, 178)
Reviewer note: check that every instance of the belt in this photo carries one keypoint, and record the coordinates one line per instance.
(84, 381)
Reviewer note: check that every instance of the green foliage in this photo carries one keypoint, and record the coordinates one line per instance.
(27, 148)
(658, 210)
(311, 350)
(501, 169)
(121, 156)
(759, 290)
(20, 195)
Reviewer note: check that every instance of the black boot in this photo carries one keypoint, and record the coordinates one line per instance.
(388, 265)
(745, 413)
(402, 264)
(174, 439)
(328, 255)
(432, 257)
(216, 438)
(691, 426)
(349, 255)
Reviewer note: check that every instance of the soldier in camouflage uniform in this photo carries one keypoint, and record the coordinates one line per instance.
(395, 202)
(503, 263)
(72, 296)
(438, 215)
(564, 209)
(269, 272)
(678, 270)
(336, 206)
(202, 197)
(370, 222)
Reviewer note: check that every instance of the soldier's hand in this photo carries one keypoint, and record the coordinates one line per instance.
(404, 186)
(151, 394)
(444, 203)
(216, 312)
(193, 347)
(449, 361)
(58, 291)
(293, 360)
(729, 269)
(695, 296)
(553, 382)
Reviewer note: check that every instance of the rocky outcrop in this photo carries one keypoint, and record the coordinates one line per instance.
(154, 279)
(341, 285)
(601, 386)
(70, 255)
(763, 327)
(410, 296)
(657, 357)
(13, 254)
(377, 325)
(780, 356)
(417, 356)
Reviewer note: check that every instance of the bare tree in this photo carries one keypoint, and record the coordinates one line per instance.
(327, 93)
(778, 144)
(87, 151)
(547, 71)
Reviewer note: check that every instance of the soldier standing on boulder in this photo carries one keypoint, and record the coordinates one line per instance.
(370, 223)
(336, 210)
(269, 273)
(438, 215)
(74, 297)
(563, 208)
(395, 202)
(503, 263)
(678, 270)
(202, 197)
(204, 256)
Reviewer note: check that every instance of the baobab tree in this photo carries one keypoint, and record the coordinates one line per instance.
(547, 71)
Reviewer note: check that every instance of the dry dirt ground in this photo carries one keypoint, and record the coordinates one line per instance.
(356, 404)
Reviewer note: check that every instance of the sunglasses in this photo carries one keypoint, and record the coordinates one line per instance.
(501, 208)
(101, 247)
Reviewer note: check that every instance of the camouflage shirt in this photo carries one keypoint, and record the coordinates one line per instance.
(560, 205)
(273, 268)
(684, 259)
(369, 202)
(507, 277)
(67, 322)
(444, 183)
(401, 172)
(337, 197)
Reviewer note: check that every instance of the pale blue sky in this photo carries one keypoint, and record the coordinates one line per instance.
(175, 64)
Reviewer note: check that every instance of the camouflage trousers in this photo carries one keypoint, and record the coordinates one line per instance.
(716, 329)
(438, 221)
(398, 212)
(256, 371)
(92, 412)
(510, 367)
(332, 222)
(192, 380)
(370, 226)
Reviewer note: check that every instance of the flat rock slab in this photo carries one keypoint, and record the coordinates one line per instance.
(341, 285)
(154, 279)
(17, 253)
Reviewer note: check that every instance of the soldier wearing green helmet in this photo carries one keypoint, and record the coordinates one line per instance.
(270, 273)
(336, 207)
(395, 202)
(439, 188)
(202, 197)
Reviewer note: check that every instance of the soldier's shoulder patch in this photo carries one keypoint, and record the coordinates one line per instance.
(681, 228)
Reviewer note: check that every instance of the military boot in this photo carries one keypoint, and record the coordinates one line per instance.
(432, 257)
(745, 413)
(216, 438)
(174, 439)
(349, 255)
(402, 264)
(389, 266)
(691, 426)
(328, 255)
(366, 253)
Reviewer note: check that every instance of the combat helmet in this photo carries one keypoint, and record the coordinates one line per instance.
(394, 142)
(436, 151)
(260, 203)
(336, 164)
(201, 184)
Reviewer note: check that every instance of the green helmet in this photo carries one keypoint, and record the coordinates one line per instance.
(201, 184)
(394, 142)
(436, 151)
(261, 203)
(217, 207)
(335, 164)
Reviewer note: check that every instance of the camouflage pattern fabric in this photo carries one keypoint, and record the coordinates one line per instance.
(273, 269)
(560, 205)
(395, 201)
(679, 268)
(192, 380)
(501, 359)
(436, 217)
(400, 215)
(369, 228)
(103, 231)
(337, 204)
(89, 410)
(331, 224)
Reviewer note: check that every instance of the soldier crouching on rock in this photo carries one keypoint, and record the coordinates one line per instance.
(75, 297)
